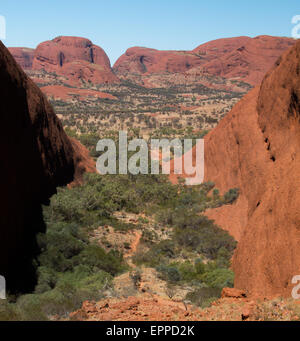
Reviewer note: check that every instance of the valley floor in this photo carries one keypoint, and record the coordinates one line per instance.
(148, 300)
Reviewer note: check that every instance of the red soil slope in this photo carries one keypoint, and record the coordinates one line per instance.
(234, 305)
(66, 93)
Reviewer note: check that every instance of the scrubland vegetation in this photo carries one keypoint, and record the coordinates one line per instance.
(71, 268)
(131, 105)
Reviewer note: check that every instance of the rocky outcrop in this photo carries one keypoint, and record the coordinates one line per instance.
(76, 58)
(256, 148)
(242, 58)
(37, 156)
(23, 56)
(233, 306)
(143, 308)
(233, 293)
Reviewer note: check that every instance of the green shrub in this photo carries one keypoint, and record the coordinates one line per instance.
(199, 266)
(231, 196)
(96, 258)
(187, 272)
(199, 233)
(169, 273)
(158, 254)
(203, 297)
(9, 312)
(219, 278)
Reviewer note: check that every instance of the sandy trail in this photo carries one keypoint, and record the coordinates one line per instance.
(133, 247)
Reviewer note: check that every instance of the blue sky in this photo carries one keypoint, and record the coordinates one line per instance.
(116, 25)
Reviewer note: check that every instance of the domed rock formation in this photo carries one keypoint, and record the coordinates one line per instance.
(76, 58)
(256, 148)
(144, 60)
(242, 58)
(37, 156)
(79, 60)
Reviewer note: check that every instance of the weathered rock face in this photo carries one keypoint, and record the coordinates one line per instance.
(76, 58)
(144, 60)
(37, 156)
(256, 147)
(23, 56)
(79, 60)
(243, 58)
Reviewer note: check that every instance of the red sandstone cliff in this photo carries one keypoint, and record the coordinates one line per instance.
(37, 156)
(256, 147)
